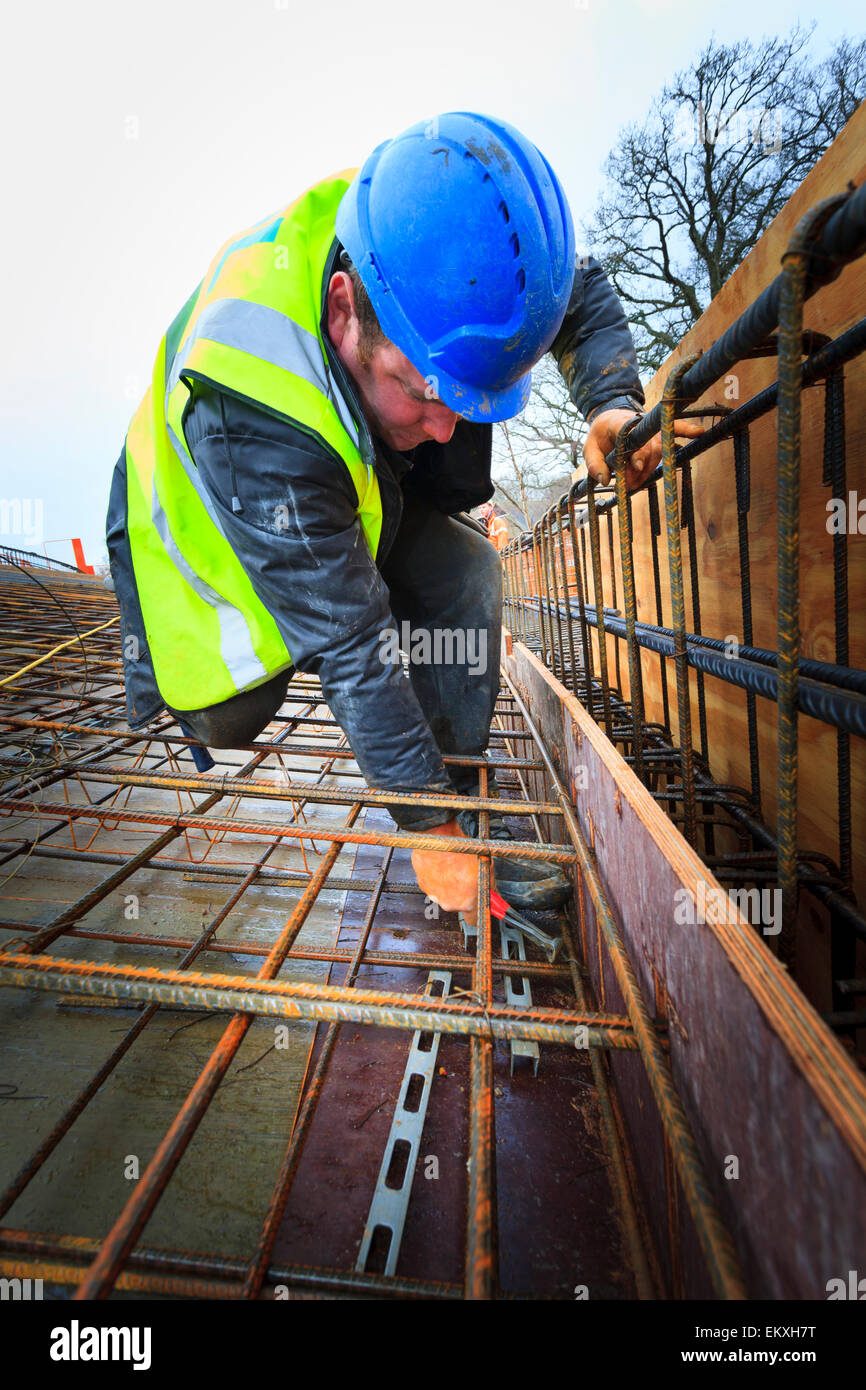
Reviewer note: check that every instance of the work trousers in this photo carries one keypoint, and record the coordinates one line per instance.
(445, 585)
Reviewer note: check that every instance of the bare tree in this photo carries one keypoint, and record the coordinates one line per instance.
(692, 189)
(538, 449)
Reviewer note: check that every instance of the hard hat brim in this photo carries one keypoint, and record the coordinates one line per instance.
(472, 403)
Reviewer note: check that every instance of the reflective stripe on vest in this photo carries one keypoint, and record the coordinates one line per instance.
(268, 335)
(252, 329)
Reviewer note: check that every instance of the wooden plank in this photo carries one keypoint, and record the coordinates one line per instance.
(761, 1078)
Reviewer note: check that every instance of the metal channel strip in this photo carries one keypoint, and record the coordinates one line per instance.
(390, 1204)
(513, 948)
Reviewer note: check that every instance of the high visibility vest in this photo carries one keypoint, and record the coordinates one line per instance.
(252, 329)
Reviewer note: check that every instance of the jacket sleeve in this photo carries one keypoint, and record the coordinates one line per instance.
(143, 700)
(299, 539)
(594, 348)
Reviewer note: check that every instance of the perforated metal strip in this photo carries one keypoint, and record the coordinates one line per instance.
(391, 1199)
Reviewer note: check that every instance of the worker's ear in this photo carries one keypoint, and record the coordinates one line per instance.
(342, 320)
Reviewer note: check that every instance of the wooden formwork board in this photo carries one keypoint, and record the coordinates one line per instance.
(772, 1096)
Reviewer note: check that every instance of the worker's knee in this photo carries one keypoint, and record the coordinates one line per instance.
(237, 721)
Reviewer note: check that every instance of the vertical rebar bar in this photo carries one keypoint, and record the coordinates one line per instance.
(655, 532)
(481, 1228)
(629, 598)
(595, 550)
(678, 620)
(742, 474)
(588, 663)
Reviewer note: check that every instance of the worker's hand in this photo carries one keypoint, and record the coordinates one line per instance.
(602, 438)
(451, 880)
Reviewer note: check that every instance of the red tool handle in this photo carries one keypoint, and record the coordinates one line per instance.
(498, 905)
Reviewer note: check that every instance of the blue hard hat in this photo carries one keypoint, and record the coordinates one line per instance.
(463, 239)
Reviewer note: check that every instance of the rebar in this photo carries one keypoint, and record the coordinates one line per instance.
(675, 761)
(74, 777)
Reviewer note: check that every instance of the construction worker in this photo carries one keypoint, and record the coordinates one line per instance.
(493, 518)
(320, 413)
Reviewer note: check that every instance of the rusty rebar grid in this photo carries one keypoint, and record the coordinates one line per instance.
(569, 616)
(74, 776)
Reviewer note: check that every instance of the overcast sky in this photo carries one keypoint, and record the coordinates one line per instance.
(139, 137)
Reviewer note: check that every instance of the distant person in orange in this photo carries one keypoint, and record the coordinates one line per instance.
(493, 518)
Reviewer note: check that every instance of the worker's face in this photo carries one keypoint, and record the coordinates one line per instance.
(400, 406)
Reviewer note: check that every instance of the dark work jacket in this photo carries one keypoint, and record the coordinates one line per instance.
(317, 578)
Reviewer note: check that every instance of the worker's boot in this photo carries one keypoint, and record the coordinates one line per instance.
(523, 883)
